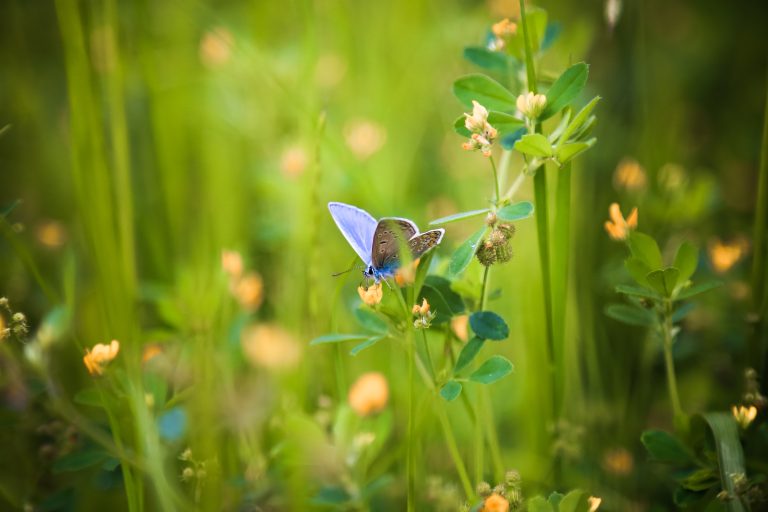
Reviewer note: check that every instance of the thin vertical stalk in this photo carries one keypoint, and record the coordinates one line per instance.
(669, 363)
(410, 450)
(453, 449)
(759, 290)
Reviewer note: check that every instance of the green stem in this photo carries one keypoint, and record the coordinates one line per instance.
(529, 67)
(410, 453)
(759, 290)
(430, 364)
(483, 288)
(674, 397)
(453, 449)
(495, 181)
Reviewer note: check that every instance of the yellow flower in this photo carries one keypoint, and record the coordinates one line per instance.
(369, 394)
(501, 31)
(371, 295)
(618, 462)
(364, 138)
(423, 309)
(216, 47)
(617, 227)
(459, 325)
(483, 134)
(150, 351)
(725, 255)
(270, 346)
(531, 105)
(629, 175)
(406, 275)
(294, 161)
(249, 291)
(495, 503)
(476, 121)
(594, 503)
(744, 415)
(98, 358)
(232, 264)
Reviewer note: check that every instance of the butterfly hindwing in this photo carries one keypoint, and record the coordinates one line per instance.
(423, 242)
(357, 226)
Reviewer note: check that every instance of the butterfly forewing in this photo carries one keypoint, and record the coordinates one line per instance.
(389, 234)
(357, 226)
(423, 242)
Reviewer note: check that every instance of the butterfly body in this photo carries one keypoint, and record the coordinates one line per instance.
(378, 243)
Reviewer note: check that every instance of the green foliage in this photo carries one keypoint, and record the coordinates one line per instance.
(488, 325)
(516, 211)
(534, 144)
(485, 90)
(450, 390)
(463, 255)
(565, 89)
(493, 369)
(468, 353)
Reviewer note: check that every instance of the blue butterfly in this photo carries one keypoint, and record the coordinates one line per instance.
(378, 242)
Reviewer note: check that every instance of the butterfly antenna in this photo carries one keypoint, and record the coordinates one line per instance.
(350, 269)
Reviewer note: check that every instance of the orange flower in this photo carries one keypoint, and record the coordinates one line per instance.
(459, 325)
(617, 227)
(618, 462)
(150, 351)
(232, 264)
(724, 255)
(249, 291)
(369, 394)
(629, 175)
(270, 346)
(98, 358)
(407, 274)
(371, 295)
(495, 503)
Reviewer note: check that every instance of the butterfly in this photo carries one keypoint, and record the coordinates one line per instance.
(378, 242)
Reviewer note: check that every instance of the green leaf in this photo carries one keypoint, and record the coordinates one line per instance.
(565, 89)
(730, 456)
(459, 216)
(336, 338)
(488, 59)
(578, 120)
(485, 90)
(630, 314)
(701, 480)
(636, 291)
(663, 281)
(504, 123)
(686, 260)
(370, 321)
(575, 501)
(638, 269)
(437, 302)
(534, 144)
(488, 325)
(366, 344)
(452, 299)
(684, 498)
(567, 152)
(516, 211)
(468, 353)
(645, 249)
(508, 141)
(697, 289)
(450, 390)
(463, 255)
(664, 447)
(493, 369)
(460, 128)
(79, 460)
(539, 504)
(90, 397)
(554, 499)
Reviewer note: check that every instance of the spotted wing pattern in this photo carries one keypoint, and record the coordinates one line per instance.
(389, 234)
(423, 242)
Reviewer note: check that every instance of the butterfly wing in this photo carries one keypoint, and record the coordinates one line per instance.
(357, 226)
(390, 232)
(423, 242)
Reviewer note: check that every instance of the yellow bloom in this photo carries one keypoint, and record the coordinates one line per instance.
(459, 326)
(483, 134)
(406, 275)
(504, 28)
(594, 503)
(98, 358)
(629, 175)
(495, 503)
(423, 309)
(270, 346)
(216, 47)
(249, 291)
(531, 105)
(724, 255)
(618, 462)
(294, 161)
(364, 138)
(150, 351)
(369, 394)
(475, 122)
(744, 415)
(232, 264)
(617, 227)
(371, 295)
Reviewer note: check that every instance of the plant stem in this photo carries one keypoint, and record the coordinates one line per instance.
(757, 347)
(453, 449)
(411, 428)
(515, 186)
(674, 397)
(495, 181)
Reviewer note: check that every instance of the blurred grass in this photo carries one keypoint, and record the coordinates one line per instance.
(156, 134)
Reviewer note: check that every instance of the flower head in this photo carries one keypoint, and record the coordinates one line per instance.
(483, 134)
(369, 394)
(495, 503)
(459, 326)
(406, 274)
(97, 358)
(594, 503)
(371, 295)
(502, 30)
(423, 314)
(725, 255)
(476, 121)
(249, 291)
(617, 227)
(629, 175)
(744, 415)
(531, 105)
(270, 346)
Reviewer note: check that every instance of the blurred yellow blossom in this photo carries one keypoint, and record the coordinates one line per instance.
(150, 351)
(406, 274)
(232, 263)
(495, 503)
(369, 394)
(629, 175)
(293, 161)
(249, 291)
(531, 105)
(371, 295)
(594, 503)
(51, 234)
(725, 255)
(97, 358)
(744, 415)
(270, 346)
(460, 326)
(618, 462)
(617, 227)
(364, 138)
(216, 47)
(501, 32)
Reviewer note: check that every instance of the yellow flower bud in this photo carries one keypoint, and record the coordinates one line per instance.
(97, 359)
(531, 105)
(617, 227)
(369, 394)
(744, 415)
(371, 295)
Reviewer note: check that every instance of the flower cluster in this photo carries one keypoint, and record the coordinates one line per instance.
(531, 105)
(246, 287)
(497, 247)
(483, 134)
(371, 295)
(423, 315)
(503, 497)
(617, 227)
(18, 325)
(97, 359)
(502, 31)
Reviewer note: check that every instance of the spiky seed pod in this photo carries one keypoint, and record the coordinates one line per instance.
(483, 489)
(486, 254)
